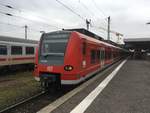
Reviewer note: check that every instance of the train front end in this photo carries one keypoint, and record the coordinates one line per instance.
(53, 63)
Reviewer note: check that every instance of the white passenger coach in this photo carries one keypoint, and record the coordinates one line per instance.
(16, 51)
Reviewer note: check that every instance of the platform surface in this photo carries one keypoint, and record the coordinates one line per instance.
(127, 92)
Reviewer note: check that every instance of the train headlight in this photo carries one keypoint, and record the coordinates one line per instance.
(68, 68)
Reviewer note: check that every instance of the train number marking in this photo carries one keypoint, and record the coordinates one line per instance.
(50, 68)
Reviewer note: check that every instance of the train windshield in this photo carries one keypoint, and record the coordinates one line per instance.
(53, 47)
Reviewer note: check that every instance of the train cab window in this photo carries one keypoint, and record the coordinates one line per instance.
(93, 56)
(55, 43)
(51, 47)
(3, 50)
(29, 50)
(16, 50)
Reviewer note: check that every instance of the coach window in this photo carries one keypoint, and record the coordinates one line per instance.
(29, 50)
(3, 50)
(16, 50)
(93, 56)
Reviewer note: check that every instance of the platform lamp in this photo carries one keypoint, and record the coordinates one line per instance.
(148, 24)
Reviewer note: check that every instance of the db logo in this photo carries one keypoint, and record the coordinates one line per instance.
(50, 68)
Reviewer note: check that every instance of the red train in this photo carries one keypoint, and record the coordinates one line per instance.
(68, 57)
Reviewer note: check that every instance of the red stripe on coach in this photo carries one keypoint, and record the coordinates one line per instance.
(2, 59)
(23, 58)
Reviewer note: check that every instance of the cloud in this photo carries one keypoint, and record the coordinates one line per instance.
(127, 16)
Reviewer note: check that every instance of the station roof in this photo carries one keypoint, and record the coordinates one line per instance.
(139, 43)
(137, 40)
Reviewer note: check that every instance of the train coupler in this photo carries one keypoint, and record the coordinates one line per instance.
(50, 81)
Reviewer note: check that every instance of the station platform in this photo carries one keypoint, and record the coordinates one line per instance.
(127, 92)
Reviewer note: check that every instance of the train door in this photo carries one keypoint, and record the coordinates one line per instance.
(9, 55)
(3, 55)
(84, 59)
(102, 57)
(112, 57)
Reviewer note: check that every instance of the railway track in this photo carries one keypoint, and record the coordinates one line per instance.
(8, 71)
(36, 102)
(21, 102)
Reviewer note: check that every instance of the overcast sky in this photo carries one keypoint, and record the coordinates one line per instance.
(128, 17)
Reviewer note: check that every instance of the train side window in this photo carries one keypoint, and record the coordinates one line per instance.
(102, 55)
(106, 55)
(84, 48)
(16, 50)
(93, 56)
(109, 55)
(98, 54)
(29, 50)
(3, 50)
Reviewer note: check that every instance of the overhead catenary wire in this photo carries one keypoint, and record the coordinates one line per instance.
(11, 24)
(12, 15)
(102, 28)
(9, 6)
(90, 11)
(24, 11)
(82, 10)
(18, 26)
(64, 5)
(71, 10)
(9, 14)
(111, 31)
(85, 7)
(100, 10)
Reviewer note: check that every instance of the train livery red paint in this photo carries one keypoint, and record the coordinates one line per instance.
(69, 57)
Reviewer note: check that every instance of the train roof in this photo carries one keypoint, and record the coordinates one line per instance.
(13, 39)
(93, 35)
(85, 32)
